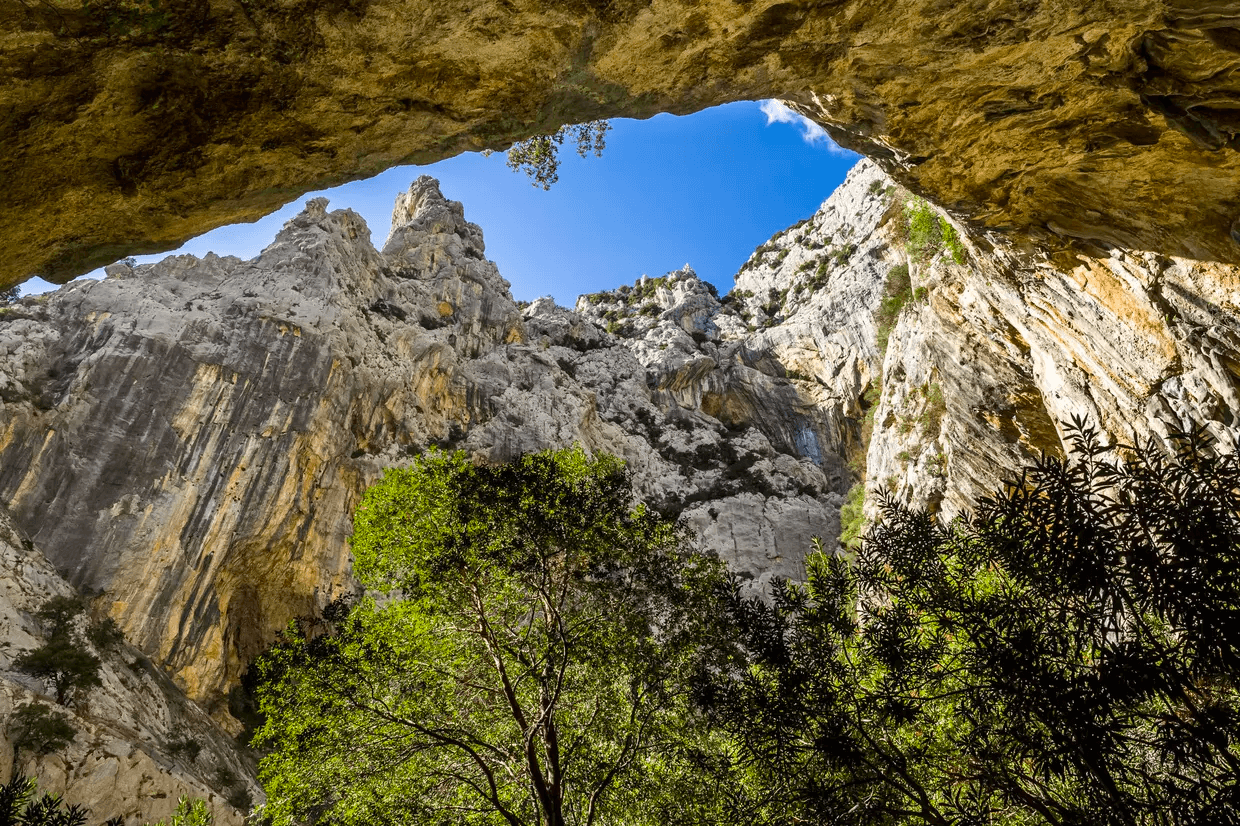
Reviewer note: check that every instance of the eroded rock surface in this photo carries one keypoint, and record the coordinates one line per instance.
(190, 439)
(131, 755)
(129, 128)
(984, 375)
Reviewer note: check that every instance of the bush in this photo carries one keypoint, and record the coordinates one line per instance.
(928, 233)
(925, 234)
(896, 292)
(40, 730)
(185, 747)
(189, 812)
(19, 806)
(852, 517)
(952, 241)
(936, 407)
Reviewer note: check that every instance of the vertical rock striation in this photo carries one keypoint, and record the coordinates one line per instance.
(190, 438)
(128, 756)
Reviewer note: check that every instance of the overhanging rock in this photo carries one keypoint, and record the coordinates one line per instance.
(128, 129)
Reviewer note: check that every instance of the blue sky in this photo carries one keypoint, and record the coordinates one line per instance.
(704, 189)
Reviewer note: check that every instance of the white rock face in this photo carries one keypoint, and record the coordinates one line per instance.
(984, 374)
(190, 445)
(122, 760)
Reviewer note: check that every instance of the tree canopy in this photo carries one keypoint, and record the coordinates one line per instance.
(539, 157)
(523, 655)
(65, 662)
(1066, 655)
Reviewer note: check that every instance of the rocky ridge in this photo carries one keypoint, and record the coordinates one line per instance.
(983, 374)
(188, 440)
(214, 421)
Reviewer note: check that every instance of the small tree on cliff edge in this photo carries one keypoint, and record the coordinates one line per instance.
(63, 662)
(529, 663)
(539, 157)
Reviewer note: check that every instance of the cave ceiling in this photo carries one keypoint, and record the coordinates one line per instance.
(129, 126)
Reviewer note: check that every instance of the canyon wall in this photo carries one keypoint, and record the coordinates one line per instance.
(127, 127)
(138, 745)
(189, 439)
(185, 441)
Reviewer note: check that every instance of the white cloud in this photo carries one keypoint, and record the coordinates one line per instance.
(811, 132)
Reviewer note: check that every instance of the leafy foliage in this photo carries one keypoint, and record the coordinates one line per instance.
(65, 662)
(39, 729)
(1067, 655)
(539, 157)
(897, 290)
(928, 233)
(185, 747)
(21, 806)
(189, 812)
(105, 635)
(852, 516)
(525, 657)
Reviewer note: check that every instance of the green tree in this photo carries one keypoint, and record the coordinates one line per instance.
(1067, 655)
(39, 729)
(525, 657)
(20, 806)
(63, 662)
(105, 635)
(539, 157)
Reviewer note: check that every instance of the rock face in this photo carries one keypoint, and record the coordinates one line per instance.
(982, 376)
(199, 431)
(187, 441)
(129, 756)
(130, 128)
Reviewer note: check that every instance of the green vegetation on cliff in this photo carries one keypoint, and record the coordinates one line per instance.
(65, 662)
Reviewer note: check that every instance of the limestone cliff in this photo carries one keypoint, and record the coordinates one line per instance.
(981, 376)
(190, 439)
(128, 126)
(995, 355)
(139, 746)
(187, 440)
